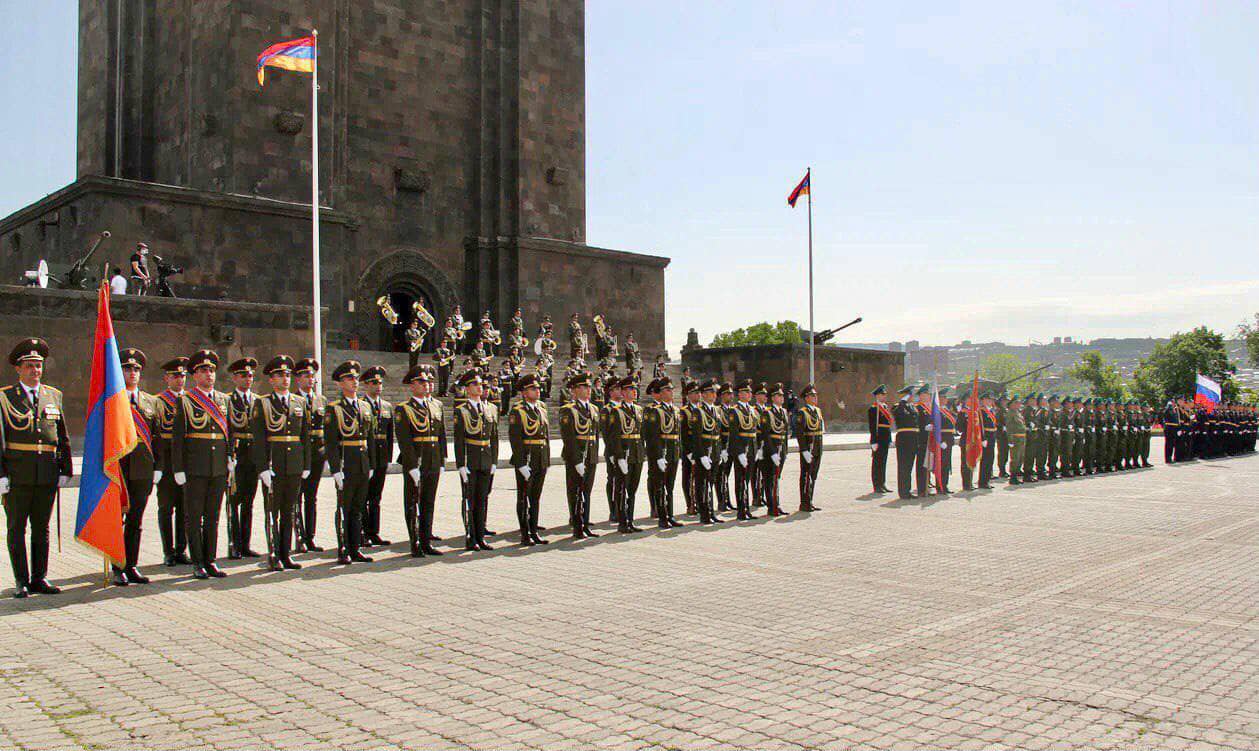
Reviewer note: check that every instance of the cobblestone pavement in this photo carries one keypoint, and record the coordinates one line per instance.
(1118, 611)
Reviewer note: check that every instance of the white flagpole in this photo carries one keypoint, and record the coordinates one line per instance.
(314, 207)
(812, 332)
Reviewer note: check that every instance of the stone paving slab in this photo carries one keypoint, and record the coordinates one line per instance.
(1119, 611)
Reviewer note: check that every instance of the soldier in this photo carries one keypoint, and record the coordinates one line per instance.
(443, 357)
(170, 497)
(576, 339)
(421, 432)
(662, 439)
(282, 450)
(633, 359)
(658, 370)
(350, 429)
(415, 340)
(1053, 445)
(773, 440)
(137, 467)
(905, 418)
(476, 456)
(1044, 429)
(701, 439)
(612, 396)
(1147, 425)
(244, 483)
(745, 426)
(506, 383)
(1066, 449)
(721, 477)
(544, 369)
(948, 434)
(879, 418)
(203, 458)
(810, 427)
(922, 412)
(989, 418)
(1003, 441)
(579, 430)
(35, 463)
(691, 399)
(962, 426)
(307, 372)
(529, 433)
(373, 381)
(1016, 434)
(626, 452)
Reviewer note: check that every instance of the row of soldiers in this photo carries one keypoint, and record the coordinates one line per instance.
(1040, 437)
(199, 446)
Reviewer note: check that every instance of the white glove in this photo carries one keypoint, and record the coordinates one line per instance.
(708, 463)
(63, 481)
(624, 465)
(776, 459)
(759, 453)
(463, 473)
(157, 476)
(265, 476)
(305, 473)
(725, 456)
(525, 471)
(743, 459)
(807, 456)
(874, 447)
(415, 475)
(231, 464)
(4, 486)
(985, 444)
(662, 463)
(327, 468)
(180, 478)
(492, 468)
(339, 479)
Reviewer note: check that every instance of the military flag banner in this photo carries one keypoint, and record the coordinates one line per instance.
(1207, 393)
(974, 426)
(935, 457)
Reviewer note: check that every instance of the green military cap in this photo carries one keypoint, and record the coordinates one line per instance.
(880, 389)
(176, 366)
(418, 373)
(29, 350)
(907, 390)
(203, 358)
(243, 366)
(132, 357)
(924, 389)
(374, 374)
(279, 364)
(347, 369)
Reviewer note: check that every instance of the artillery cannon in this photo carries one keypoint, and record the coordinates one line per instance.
(76, 275)
(822, 337)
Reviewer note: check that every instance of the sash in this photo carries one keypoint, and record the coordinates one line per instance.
(142, 429)
(211, 407)
(167, 397)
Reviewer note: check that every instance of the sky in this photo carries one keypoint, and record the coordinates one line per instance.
(981, 170)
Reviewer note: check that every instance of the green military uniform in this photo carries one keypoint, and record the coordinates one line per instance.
(476, 456)
(240, 505)
(280, 425)
(625, 451)
(420, 429)
(203, 459)
(701, 440)
(34, 461)
(1031, 419)
(350, 435)
(1066, 439)
(529, 434)
(307, 515)
(809, 427)
(1053, 447)
(662, 439)
(170, 496)
(382, 419)
(137, 471)
(1016, 434)
(579, 432)
(773, 442)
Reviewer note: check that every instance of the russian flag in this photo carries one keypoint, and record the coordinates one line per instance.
(111, 435)
(935, 457)
(1208, 393)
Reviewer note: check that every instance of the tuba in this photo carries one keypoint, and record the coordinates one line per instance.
(601, 328)
(422, 313)
(387, 310)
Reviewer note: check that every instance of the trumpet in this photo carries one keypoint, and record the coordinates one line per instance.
(387, 310)
(422, 313)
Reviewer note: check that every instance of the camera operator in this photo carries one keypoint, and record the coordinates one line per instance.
(140, 278)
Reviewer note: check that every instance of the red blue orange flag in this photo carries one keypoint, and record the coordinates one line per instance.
(974, 426)
(111, 435)
(801, 190)
(297, 54)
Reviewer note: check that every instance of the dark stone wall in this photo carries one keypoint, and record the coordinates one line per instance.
(162, 328)
(844, 376)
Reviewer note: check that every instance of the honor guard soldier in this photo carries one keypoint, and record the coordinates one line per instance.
(306, 371)
(529, 433)
(170, 497)
(1003, 441)
(773, 440)
(691, 399)
(420, 428)
(922, 411)
(948, 434)
(963, 440)
(760, 402)
(1031, 421)
(987, 458)
(1171, 430)
(373, 381)
(34, 463)
(579, 431)
(745, 426)
(476, 456)
(879, 418)
(350, 431)
(624, 447)
(280, 425)
(1016, 434)
(1053, 448)
(138, 467)
(203, 459)
(905, 418)
(721, 477)
(662, 438)
(810, 428)
(240, 500)
(701, 440)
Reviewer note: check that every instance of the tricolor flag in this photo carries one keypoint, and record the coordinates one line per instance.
(1208, 393)
(935, 457)
(974, 426)
(801, 190)
(298, 55)
(110, 435)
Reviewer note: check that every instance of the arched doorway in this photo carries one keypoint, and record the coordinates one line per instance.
(403, 292)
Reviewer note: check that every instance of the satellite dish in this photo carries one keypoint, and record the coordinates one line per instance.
(41, 274)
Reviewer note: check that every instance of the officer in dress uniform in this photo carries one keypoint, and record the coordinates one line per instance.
(691, 402)
(420, 428)
(721, 478)
(745, 425)
(809, 427)
(529, 434)
(922, 411)
(612, 399)
(1016, 435)
(1003, 441)
(203, 459)
(476, 456)
(625, 451)
(987, 458)
(760, 401)
(170, 497)
(948, 434)
(773, 438)
(662, 438)
(350, 431)
(373, 381)
(701, 440)
(138, 466)
(34, 463)
(306, 371)
(879, 419)
(244, 486)
(1171, 430)
(905, 418)
(579, 431)
(280, 424)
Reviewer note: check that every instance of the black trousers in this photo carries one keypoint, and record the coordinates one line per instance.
(878, 464)
(170, 516)
(578, 489)
(443, 378)
(629, 491)
(351, 502)
(203, 501)
(29, 506)
(660, 487)
(610, 487)
(476, 503)
(281, 502)
(687, 487)
(413, 357)
(769, 483)
(1170, 437)
(240, 508)
(138, 492)
(529, 500)
(701, 492)
(906, 457)
(986, 460)
(418, 505)
(758, 488)
(808, 478)
(946, 464)
(1003, 455)
(721, 484)
(310, 498)
(743, 484)
(371, 514)
(920, 463)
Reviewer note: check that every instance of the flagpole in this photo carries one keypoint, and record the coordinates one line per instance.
(314, 206)
(808, 173)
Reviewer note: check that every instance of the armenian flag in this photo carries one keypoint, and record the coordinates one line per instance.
(298, 55)
(111, 435)
(801, 190)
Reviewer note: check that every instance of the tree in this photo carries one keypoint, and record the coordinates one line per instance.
(783, 332)
(1101, 377)
(1171, 369)
(1249, 331)
(1004, 368)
